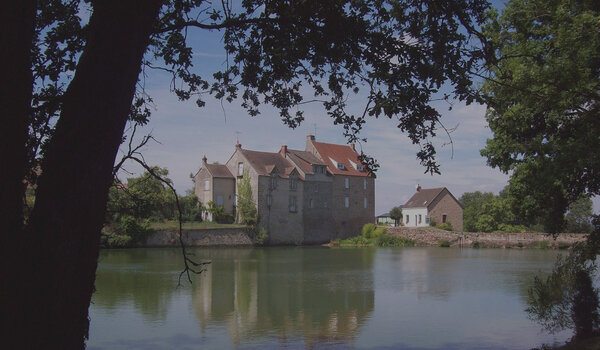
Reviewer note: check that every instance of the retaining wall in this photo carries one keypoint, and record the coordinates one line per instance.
(200, 237)
(429, 236)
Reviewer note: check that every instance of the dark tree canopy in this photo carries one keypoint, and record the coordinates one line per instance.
(543, 103)
(87, 79)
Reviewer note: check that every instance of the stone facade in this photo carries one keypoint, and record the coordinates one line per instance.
(214, 182)
(301, 196)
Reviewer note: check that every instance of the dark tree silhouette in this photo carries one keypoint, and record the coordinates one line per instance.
(399, 52)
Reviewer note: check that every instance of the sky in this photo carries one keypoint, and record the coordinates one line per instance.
(185, 133)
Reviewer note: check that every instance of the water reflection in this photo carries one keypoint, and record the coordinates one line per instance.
(416, 298)
(327, 296)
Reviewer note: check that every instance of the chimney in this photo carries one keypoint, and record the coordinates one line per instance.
(204, 160)
(310, 137)
(283, 150)
(418, 188)
(238, 144)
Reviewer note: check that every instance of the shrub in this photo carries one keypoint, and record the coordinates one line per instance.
(261, 237)
(445, 226)
(391, 241)
(477, 244)
(380, 231)
(443, 243)
(367, 230)
(119, 241)
(432, 222)
(138, 233)
(544, 244)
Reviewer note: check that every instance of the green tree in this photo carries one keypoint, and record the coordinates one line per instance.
(402, 52)
(144, 197)
(472, 203)
(245, 204)
(543, 103)
(579, 217)
(396, 214)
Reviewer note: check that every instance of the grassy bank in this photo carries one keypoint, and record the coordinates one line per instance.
(373, 236)
(190, 225)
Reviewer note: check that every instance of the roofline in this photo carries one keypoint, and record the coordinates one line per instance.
(450, 193)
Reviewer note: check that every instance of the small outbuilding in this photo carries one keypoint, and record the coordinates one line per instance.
(432, 204)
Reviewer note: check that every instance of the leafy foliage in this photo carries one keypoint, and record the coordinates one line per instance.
(556, 302)
(396, 214)
(368, 229)
(144, 197)
(579, 217)
(245, 204)
(486, 212)
(543, 104)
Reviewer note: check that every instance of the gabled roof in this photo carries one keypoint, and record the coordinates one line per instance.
(266, 162)
(424, 197)
(346, 155)
(218, 170)
(304, 160)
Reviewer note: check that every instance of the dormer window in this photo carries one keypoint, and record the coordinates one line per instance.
(360, 168)
(341, 166)
(240, 169)
(273, 184)
(293, 183)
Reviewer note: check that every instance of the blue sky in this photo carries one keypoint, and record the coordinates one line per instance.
(186, 133)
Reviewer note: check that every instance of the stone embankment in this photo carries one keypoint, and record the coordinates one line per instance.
(429, 236)
(200, 237)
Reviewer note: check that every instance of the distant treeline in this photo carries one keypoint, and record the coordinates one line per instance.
(487, 212)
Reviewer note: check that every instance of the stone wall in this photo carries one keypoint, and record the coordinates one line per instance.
(431, 237)
(201, 237)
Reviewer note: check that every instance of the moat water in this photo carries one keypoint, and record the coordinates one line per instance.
(314, 297)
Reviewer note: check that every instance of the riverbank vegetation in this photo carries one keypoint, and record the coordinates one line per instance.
(487, 212)
(374, 236)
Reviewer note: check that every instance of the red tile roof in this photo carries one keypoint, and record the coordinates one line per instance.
(340, 154)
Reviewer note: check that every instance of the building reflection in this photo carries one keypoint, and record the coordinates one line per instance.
(287, 293)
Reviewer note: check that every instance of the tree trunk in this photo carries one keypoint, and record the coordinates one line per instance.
(63, 236)
(16, 37)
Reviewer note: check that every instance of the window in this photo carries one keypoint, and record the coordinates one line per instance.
(419, 218)
(365, 202)
(364, 184)
(347, 202)
(292, 204)
(360, 168)
(206, 185)
(316, 187)
(407, 218)
(341, 166)
(444, 218)
(325, 204)
(293, 183)
(427, 220)
(240, 169)
(219, 200)
(235, 200)
(346, 182)
(273, 184)
(269, 199)
(311, 204)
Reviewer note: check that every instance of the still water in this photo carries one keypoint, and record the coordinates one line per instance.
(314, 297)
